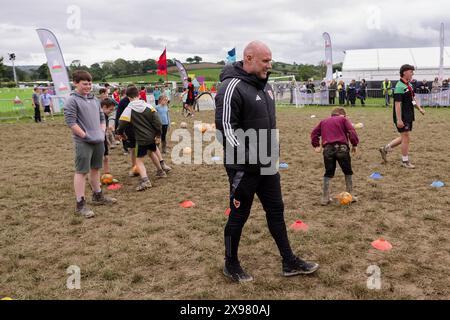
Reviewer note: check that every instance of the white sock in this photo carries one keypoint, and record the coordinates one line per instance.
(405, 158)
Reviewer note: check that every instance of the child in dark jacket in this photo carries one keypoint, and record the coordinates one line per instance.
(147, 131)
(336, 131)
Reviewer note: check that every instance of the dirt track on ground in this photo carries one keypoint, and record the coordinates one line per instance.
(147, 247)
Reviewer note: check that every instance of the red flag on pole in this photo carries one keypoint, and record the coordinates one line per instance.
(162, 63)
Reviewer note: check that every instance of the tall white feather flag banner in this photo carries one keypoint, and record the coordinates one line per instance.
(182, 71)
(57, 67)
(328, 56)
(441, 59)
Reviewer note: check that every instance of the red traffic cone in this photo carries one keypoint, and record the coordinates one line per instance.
(382, 245)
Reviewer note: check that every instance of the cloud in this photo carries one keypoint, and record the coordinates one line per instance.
(137, 30)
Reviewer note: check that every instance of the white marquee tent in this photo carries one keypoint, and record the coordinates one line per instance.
(378, 64)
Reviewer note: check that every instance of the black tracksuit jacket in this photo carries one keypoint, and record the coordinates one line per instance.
(245, 102)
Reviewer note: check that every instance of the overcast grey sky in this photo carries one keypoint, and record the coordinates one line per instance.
(138, 30)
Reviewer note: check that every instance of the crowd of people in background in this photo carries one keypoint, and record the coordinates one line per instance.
(345, 94)
(419, 87)
(435, 86)
(340, 93)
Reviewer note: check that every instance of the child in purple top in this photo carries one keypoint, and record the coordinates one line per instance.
(336, 132)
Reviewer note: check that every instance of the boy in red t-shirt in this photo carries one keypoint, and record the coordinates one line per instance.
(116, 95)
(143, 94)
(190, 100)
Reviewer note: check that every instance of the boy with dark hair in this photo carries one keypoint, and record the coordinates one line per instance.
(108, 89)
(36, 104)
(156, 94)
(143, 94)
(190, 99)
(116, 95)
(102, 94)
(147, 130)
(403, 115)
(108, 106)
(128, 140)
(335, 132)
(85, 118)
(110, 141)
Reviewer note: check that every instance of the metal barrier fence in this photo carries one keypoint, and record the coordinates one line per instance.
(11, 109)
(317, 98)
(439, 99)
(283, 94)
(368, 97)
(286, 92)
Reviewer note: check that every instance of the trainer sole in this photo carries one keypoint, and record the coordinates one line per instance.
(229, 276)
(296, 273)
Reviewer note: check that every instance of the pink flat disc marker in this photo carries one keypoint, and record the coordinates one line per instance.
(187, 204)
(382, 245)
(299, 226)
(115, 186)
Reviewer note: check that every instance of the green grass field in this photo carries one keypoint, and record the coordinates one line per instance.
(11, 93)
(10, 110)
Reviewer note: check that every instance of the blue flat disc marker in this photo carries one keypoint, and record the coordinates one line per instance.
(284, 165)
(376, 176)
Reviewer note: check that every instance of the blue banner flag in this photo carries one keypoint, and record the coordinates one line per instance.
(231, 56)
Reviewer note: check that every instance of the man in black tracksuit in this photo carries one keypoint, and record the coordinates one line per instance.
(245, 118)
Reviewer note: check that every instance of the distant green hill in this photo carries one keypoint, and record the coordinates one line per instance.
(144, 78)
(209, 74)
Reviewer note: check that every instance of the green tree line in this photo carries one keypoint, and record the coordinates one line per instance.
(102, 71)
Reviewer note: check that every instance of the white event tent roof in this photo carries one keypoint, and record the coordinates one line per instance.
(378, 64)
